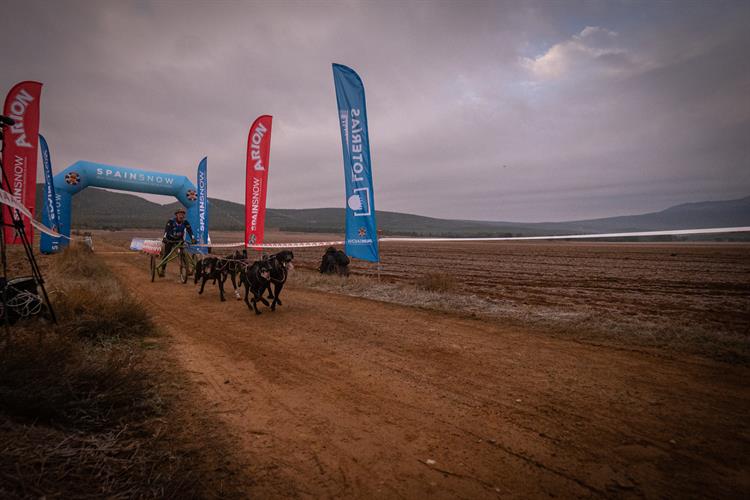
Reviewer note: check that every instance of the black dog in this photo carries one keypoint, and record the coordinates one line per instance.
(280, 264)
(255, 278)
(211, 268)
(235, 263)
(334, 261)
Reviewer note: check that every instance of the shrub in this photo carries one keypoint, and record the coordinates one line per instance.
(78, 261)
(103, 312)
(437, 282)
(55, 381)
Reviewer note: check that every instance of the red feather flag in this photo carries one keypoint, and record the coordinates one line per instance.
(256, 179)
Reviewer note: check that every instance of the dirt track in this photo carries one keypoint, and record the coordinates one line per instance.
(334, 396)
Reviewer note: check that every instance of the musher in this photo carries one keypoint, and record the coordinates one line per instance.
(174, 233)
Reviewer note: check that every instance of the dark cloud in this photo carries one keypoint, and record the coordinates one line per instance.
(484, 110)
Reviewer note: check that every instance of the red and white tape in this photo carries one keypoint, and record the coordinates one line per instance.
(150, 246)
(7, 199)
(299, 244)
(672, 232)
(313, 244)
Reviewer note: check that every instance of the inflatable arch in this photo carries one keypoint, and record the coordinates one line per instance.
(83, 174)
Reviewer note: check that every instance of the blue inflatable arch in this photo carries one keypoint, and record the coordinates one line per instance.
(83, 174)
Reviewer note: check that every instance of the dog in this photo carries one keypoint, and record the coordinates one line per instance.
(235, 263)
(212, 268)
(280, 264)
(255, 279)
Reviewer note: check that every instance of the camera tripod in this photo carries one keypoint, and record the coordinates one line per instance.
(17, 223)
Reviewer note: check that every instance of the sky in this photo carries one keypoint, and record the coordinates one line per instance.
(514, 111)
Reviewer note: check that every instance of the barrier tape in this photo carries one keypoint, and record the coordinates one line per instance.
(139, 243)
(299, 244)
(673, 232)
(7, 199)
(145, 245)
(150, 246)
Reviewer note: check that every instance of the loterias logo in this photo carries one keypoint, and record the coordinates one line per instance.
(255, 141)
(72, 178)
(18, 108)
(355, 137)
(359, 202)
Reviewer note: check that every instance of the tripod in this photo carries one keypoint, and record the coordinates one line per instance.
(17, 223)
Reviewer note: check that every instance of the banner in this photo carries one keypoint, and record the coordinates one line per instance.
(152, 247)
(361, 227)
(50, 200)
(84, 174)
(256, 179)
(202, 186)
(19, 155)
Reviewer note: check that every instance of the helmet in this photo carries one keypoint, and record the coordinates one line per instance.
(179, 210)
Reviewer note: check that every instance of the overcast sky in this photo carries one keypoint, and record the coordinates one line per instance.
(520, 111)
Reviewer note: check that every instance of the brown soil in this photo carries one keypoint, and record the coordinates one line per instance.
(336, 396)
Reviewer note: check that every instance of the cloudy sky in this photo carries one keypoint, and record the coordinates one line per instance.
(521, 111)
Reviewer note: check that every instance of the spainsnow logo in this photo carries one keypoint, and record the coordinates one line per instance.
(72, 178)
(359, 202)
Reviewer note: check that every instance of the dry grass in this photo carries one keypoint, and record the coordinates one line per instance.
(82, 415)
(56, 381)
(102, 313)
(681, 336)
(437, 282)
(79, 422)
(91, 303)
(52, 463)
(77, 261)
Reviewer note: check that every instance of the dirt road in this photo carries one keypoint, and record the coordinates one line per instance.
(334, 396)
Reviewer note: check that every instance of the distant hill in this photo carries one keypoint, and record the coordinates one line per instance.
(99, 209)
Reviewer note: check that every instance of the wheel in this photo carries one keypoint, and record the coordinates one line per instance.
(152, 267)
(191, 267)
(184, 267)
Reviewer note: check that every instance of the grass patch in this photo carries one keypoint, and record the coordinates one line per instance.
(102, 313)
(78, 261)
(44, 462)
(585, 324)
(91, 303)
(57, 382)
(82, 414)
(437, 282)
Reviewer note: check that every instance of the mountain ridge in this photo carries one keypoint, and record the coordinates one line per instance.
(100, 209)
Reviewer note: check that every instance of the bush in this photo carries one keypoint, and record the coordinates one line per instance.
(82, 419)
(91, 303)
(437, 282)
(78, 261)
(55, 381)
(103, 312)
